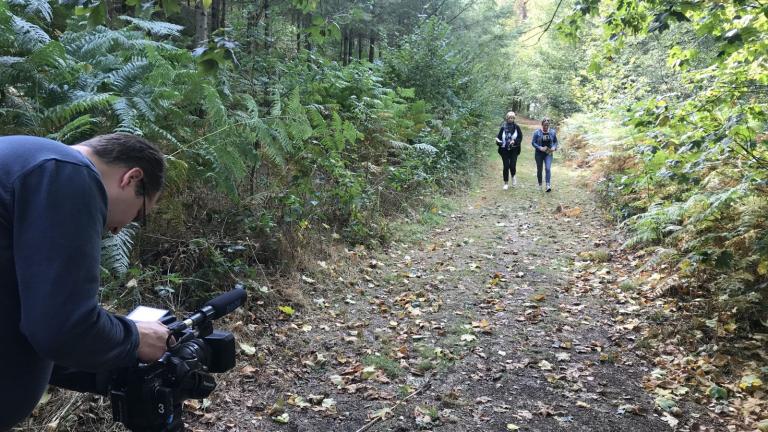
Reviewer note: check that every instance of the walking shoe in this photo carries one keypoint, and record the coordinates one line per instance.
(506, 186)
(540, 189)
(549, 188)
(514, 181)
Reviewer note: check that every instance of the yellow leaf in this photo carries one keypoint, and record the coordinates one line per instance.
(286, 310)
(750, 382)
(512, 427)
(762, 268)
(207, 3)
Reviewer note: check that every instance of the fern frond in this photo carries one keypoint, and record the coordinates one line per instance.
(426, 148)
(28, 35)
(156, 28)
(146, 43)
(9, 60)
(94, 43)
(52, 55)
(116, 250)
(213, 105)
(76, 130)
(61, 114)
(276, 110)
(399, 145)
(40, 8)
(128, 74)
(718, 203)
(126, 116)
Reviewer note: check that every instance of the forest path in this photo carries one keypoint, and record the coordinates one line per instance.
(490, 318)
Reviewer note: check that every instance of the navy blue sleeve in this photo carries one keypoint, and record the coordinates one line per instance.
(60, 210)
(535, 137)
(554, 139)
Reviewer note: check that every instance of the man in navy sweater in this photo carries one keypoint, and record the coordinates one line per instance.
(55, 202)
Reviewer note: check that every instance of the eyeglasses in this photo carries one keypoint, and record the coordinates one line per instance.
(142, 220)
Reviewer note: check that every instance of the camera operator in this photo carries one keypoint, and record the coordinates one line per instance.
(55, 202)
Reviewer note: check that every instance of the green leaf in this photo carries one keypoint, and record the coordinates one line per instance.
(286, 310)
(207, 3)
(716, 392)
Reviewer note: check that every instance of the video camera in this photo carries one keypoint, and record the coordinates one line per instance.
(149, 397)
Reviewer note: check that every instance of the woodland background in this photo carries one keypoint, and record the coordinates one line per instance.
(291, 125)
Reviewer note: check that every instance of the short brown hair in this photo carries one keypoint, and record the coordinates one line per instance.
(130, 151)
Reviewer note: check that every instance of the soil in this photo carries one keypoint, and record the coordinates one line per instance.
(484, 319)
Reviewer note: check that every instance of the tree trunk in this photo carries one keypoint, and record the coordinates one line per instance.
(307, 23)
(523, 10)
(223, 14)
(213, 18)
(350, 41)
(267, 44)
(371, 51)
(201, 23)
(359, 47)
(344, 48)
(297, 22)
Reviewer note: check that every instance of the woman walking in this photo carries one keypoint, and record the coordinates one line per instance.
(508, 139)
(545, 143)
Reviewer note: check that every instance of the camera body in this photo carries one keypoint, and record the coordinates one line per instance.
(149, 398)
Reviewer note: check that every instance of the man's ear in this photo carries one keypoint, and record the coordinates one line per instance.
(131, 177)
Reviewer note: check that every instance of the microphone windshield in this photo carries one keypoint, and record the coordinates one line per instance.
(227, 302)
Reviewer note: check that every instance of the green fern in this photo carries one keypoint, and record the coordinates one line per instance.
(156, 28)
(81, 104)
(129, 74)
(28, 36)
(116, 250)
(77, 130)
(40, 8)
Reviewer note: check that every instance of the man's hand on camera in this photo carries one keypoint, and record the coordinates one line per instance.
(152, 337)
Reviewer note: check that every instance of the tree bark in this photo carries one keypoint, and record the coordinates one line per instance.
(223, 20)
(349, 46)
(297, 22)
(344, 48)
(359, 47)
(201, 23)
(267, 44)
(371, 51)
(213, 18)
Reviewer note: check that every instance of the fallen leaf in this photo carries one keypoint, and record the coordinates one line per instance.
(282, 418)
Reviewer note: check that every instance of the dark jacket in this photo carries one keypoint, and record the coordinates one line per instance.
(53, 209)
(503, 138)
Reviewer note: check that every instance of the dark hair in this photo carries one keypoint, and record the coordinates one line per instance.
(130, 151)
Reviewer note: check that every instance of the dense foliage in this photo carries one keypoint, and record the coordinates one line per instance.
(693, 184)
(285, 122)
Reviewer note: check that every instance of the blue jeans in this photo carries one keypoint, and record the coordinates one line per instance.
(543, 159)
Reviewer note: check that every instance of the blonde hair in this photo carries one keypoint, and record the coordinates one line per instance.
(510, 113)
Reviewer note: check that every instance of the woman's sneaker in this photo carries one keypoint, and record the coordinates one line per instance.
(514, 181)
(549, 188)
(505, 187)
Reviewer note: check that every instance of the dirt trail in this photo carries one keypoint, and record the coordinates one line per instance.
(487, 320)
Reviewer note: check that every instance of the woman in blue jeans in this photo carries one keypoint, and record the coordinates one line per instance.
(545, 143)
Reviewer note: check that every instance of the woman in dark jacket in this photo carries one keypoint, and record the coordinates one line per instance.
(508, 139)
